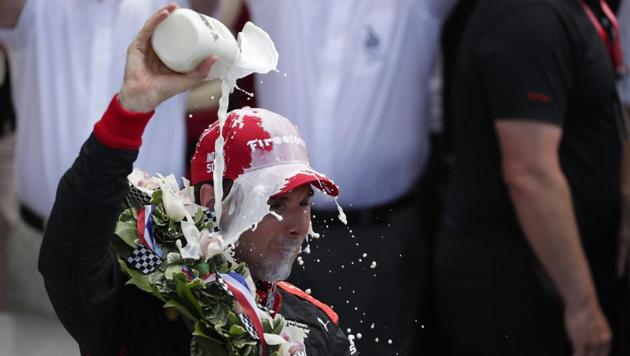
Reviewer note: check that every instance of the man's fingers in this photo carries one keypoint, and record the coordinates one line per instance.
(204, 67)
(147, 30)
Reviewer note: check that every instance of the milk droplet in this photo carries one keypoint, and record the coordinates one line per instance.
(372, 326)
(389, 341)
(276, 215)
(308, 291)
(348, 331)
(359, 335)
(376, 339)
(342, 215)
(190, 116)
(307, 249)
(373, 265)
(300, 261)
(364, 255)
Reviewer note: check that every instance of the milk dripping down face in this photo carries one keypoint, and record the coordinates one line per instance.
(273, 246)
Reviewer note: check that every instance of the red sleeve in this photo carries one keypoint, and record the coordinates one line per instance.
(290, 288)
(120, 128)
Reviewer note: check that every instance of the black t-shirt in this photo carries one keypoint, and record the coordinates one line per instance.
(538, 60)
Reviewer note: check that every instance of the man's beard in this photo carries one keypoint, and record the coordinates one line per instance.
(274, 273)
(271, 272)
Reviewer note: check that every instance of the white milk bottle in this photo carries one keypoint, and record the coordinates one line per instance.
(185, 38)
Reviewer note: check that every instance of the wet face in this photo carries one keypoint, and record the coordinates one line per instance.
(273, 246)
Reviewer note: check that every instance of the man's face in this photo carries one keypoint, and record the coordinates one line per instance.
(271, 249)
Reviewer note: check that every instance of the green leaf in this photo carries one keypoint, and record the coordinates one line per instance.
(183, 291)
(128, 232)
(171, 270)
(203, 268)
(126, 215)
(236, 330)
(135, 277)
(198, 216)
(180, 308)
(156, 197)
(239, 343)
(233, 318)
(206, 347)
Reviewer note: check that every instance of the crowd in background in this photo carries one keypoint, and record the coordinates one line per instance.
(480, 147)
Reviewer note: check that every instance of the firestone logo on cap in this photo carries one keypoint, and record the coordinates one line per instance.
(276, 140)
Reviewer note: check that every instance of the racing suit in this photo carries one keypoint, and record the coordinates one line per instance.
(82, 275)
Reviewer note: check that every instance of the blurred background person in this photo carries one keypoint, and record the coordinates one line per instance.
(67, 61)
(525, 263)
(623, 265)
(355, 75)
(8, 199)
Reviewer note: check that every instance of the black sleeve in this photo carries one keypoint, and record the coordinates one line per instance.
(526, 64)
(341, 345)
(80, 270)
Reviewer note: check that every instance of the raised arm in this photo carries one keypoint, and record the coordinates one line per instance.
(76, 260)
(10, 12)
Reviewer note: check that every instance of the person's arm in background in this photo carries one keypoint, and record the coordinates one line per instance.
(10, 12)
(542, 199)
(529, 66)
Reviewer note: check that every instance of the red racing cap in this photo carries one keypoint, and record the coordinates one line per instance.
(261, 147)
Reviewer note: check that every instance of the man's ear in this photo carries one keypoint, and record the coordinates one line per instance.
(206, 195)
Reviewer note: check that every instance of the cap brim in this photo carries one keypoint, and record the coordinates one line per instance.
(313, 178)
(280, 179)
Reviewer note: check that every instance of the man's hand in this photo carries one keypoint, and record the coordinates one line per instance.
(147, 81)
(588, 330)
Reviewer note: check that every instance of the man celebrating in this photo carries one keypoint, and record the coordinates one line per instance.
(82, 276)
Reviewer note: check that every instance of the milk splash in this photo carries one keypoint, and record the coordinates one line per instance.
(258, 55)
(246, 203)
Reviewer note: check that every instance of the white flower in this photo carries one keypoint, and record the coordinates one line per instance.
(211, 243)
(143, 181)
(273, 339)
(192, 235)
(173, 203)
(288, 346)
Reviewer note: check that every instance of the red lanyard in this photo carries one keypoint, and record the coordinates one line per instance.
(611, 40)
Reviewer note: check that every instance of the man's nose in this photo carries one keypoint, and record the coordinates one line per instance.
(299, 223)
